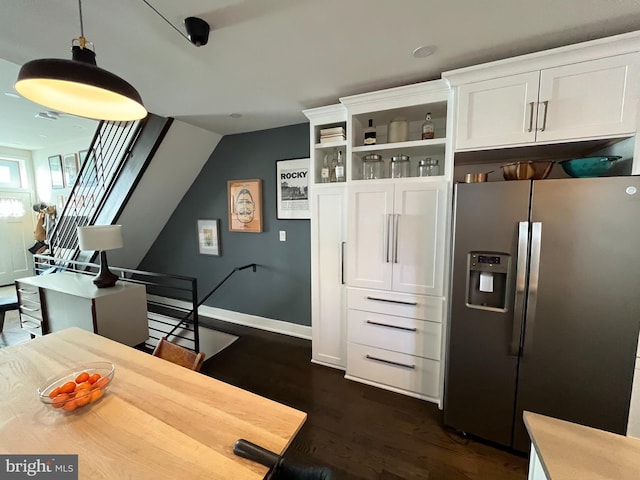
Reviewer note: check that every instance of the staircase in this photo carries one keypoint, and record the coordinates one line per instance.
(117, 158)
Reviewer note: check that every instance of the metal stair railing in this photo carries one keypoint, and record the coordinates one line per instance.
(109, 150)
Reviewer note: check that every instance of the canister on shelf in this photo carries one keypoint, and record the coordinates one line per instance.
(428, 167)
(372, 167)
(398, 130)
(399, 166)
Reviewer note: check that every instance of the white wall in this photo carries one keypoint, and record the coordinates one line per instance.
(175, 166)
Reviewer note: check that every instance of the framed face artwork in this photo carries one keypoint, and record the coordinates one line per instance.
(245, 205)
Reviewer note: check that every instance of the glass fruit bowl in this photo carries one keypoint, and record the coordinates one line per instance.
(77, 387)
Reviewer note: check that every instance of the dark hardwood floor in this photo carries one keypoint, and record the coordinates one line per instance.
(361, 432)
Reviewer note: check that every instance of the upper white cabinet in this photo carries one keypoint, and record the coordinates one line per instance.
(572, 94)
(397, 234)
(397, 115)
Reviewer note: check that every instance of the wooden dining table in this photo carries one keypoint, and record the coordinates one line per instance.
(157, 420)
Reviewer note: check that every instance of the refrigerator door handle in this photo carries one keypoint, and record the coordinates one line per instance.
(534, 273)
(521, 277)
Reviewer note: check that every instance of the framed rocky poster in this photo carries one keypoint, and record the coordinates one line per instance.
(292, 179)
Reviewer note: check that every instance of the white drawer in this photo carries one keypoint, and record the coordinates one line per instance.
(31, 324)
(400, 334)
(399, 304)
(406, 372)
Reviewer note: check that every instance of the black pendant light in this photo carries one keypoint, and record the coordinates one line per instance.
(79, 86)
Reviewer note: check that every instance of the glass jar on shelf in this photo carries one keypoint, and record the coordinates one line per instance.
(372, 167)
(399, 166)
(428, 167)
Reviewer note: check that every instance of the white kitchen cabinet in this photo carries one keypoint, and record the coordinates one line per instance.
(328, 290)
(578, 101)
(328, 236)
(396, 236)
(536, 471)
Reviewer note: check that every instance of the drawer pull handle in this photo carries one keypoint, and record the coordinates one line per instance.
(28, 292)
(27, 324)
(397, 364)
(408, 329)
(22, 307)
(391, 301)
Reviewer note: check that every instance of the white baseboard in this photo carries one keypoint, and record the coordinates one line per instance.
(254, 321)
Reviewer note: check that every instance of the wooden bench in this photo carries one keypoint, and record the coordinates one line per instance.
(7, 303)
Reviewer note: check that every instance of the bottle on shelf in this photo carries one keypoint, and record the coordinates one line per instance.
(333, 169)
(428, 130)
(370, 134)
(340, 168)
(324, 173)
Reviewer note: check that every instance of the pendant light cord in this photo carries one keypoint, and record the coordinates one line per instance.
(165, 19)
(81, 23)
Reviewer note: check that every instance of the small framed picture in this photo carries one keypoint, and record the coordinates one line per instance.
(70, 168)
(245, 205)
(292, 180)
(55, 167)
(82, 156)
(209, 237)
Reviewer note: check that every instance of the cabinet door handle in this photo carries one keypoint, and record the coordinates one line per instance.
(391, 301)
(531, 104)
(389, 362)
(342, 262)
(395, 237)
(544, 117)
(22, 307)
(388, 240)
(398, 327)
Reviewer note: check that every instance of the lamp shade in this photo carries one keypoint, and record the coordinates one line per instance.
(100, 237)
(79, 88)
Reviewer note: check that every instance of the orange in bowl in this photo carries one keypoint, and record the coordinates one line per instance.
(77, 387)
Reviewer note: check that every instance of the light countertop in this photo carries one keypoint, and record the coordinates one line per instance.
(569, 451)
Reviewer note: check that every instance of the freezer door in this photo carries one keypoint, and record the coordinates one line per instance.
(483, 344)
(582, 321)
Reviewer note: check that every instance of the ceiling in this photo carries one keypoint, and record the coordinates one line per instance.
(267, 60)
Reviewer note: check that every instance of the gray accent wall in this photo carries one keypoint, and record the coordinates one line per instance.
(280, 289)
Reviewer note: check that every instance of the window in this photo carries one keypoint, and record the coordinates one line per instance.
(10, 176)
(11, 207)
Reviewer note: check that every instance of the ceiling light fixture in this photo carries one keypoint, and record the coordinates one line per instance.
(79, 86)
(423, 51)
(197, 29)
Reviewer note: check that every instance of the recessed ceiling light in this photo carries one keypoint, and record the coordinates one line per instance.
(423, 51)
(235, 115)
(12, 95)
(43, 136)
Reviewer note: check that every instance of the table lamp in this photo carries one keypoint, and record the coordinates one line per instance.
(101, 238)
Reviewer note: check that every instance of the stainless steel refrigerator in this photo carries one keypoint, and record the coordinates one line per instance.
(545, 305)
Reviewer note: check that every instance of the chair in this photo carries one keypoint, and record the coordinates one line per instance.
(178, 354)
(279, 468)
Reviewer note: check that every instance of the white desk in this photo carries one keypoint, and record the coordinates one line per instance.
(49, 303)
